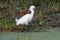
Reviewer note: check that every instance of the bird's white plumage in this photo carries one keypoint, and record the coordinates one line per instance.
(26, 18)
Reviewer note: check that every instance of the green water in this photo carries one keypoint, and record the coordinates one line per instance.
(52, 34)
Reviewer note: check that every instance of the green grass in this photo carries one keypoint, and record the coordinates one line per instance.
(7, 23)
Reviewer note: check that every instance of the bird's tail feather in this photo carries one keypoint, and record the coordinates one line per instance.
(16, 19)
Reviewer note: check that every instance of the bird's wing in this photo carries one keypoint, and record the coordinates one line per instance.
(25, 17)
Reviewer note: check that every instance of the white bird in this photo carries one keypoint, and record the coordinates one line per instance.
(27, 17)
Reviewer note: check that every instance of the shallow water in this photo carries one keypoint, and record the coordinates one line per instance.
(52, 34)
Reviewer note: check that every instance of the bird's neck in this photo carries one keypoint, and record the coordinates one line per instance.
(32, 12)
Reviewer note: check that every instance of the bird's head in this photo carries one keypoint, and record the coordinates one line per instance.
(32, 7)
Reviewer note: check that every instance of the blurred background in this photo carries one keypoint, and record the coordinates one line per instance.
(47, 15)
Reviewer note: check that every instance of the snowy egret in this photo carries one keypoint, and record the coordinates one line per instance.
(26, 18)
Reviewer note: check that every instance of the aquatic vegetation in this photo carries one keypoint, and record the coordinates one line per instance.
(45, 13)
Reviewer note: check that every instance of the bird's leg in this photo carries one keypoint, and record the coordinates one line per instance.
(26, 23)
